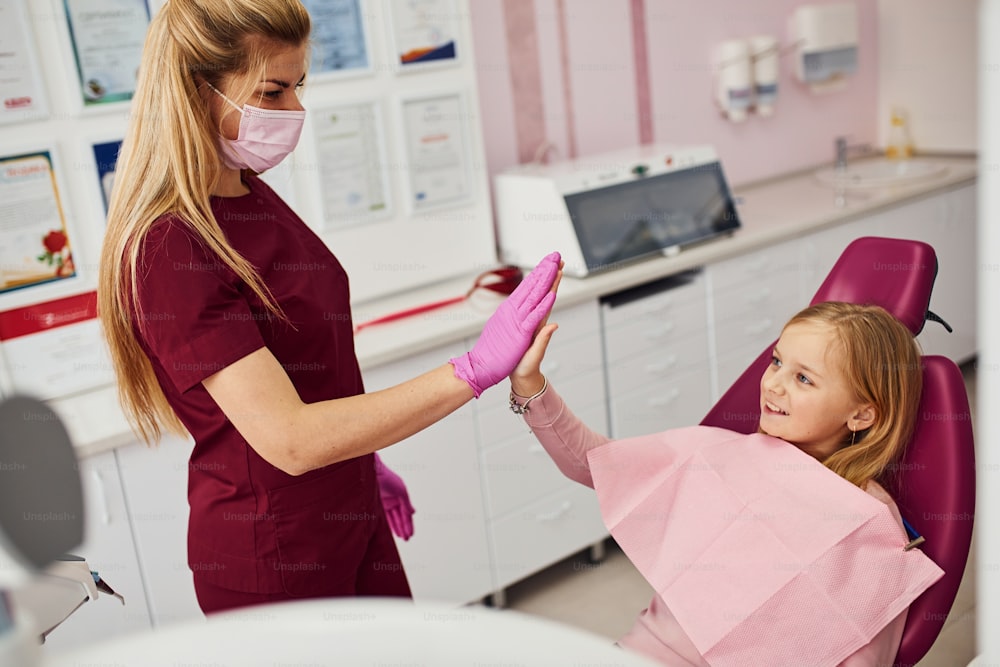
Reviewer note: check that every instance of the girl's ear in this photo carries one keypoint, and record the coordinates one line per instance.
(862, 418)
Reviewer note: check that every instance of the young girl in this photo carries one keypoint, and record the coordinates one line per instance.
(696, 508)
(229, 319)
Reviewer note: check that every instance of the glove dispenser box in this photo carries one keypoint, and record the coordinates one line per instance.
(603, 211)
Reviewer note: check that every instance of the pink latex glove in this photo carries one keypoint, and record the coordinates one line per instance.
(395, 500)
(508, 333)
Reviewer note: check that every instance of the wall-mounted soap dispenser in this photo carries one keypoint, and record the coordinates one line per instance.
(734, 79)
(826, 39)
(764, 54)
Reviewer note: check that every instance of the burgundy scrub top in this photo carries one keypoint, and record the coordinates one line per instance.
(254, 528)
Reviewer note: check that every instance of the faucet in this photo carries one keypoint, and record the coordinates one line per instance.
(843, 149)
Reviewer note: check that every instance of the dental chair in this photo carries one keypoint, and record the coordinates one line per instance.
(935, 485)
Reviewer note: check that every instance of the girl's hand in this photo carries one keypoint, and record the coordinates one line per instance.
(526, 379)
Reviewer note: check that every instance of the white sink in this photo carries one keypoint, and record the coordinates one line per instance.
(880, 173)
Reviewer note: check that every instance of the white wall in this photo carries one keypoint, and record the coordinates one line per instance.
(927, 66)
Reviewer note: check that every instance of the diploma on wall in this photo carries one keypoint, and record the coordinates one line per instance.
(339, 44)
(21, 90)
(424, 32)
(107, 37)
(437, 151)
(352, 164)
(55, 349)
(34, 244)
(105, 156)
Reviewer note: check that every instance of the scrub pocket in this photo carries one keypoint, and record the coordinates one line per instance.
(322, 528)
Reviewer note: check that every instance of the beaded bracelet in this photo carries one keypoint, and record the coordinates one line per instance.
(521, 408)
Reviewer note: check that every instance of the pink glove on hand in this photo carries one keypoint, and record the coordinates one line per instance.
(508, 333)
(395, 500)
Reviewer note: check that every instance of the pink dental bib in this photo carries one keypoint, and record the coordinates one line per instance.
(752, 543)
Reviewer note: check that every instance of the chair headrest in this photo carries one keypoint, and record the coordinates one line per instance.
(896, 274)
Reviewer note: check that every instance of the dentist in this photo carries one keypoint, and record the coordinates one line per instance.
(228, 319)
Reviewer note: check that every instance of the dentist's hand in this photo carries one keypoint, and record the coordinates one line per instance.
(395, 500)
(526, 379)
(509, 332)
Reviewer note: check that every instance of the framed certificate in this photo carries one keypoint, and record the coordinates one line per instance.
(339, 39)
(437, 136)
(107, 38)
(424, 33)
(34, 242)
(105, 157)
(22, 93)
(55, 348)
(350, 154)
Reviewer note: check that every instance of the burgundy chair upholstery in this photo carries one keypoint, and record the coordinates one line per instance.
(935, 484)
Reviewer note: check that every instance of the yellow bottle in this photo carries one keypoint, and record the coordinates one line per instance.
(900, 145)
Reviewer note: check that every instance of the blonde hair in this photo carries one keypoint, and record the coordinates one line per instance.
(882, 365)
(169, 163)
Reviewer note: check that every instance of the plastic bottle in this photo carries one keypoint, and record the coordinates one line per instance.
(900, 145)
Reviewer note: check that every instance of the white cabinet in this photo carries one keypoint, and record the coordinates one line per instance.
(109, 550)
(947, 222)
(657, 354)
(753, 295)
(535, 515)
(155, 485)
(447, 559)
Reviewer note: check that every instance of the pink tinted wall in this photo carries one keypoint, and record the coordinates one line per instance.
(589, 76)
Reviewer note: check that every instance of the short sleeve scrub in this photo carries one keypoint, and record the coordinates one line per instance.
(257, 534)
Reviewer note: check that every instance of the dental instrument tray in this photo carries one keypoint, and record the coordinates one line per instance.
(602, 211)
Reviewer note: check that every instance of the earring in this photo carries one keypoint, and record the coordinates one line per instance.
(853, 434)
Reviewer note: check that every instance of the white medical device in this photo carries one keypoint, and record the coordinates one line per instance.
(605, 210)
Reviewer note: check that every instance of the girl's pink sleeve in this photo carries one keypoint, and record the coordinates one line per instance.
(564, 436)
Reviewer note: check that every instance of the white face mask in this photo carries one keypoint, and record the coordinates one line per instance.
(265, 138)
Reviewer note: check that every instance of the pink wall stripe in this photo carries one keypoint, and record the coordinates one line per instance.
(567, 79)
(525, 76)
(644, 104)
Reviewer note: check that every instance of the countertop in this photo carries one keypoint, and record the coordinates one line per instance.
(770, 211)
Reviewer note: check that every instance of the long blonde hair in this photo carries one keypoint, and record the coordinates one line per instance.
(882, 365)
(169, 164)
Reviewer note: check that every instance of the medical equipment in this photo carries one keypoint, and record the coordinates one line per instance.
(605, 210)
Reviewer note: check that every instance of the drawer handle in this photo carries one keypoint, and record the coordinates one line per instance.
(550, 367)
(663, 366)
(654, 308)
(667, 399)
(762, 295)
(661, 332)
(557, 513)
(759, 327)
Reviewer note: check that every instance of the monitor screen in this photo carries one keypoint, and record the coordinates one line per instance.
(623, 222)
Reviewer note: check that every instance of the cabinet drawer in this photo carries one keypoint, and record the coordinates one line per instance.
(517, 473)
(680, 401)
(659, 365)
(544, 532)
(784, 259)
(641, 336)
(652, 304)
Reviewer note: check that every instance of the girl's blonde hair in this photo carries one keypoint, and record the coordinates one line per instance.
(169, 163)
(882, 365)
